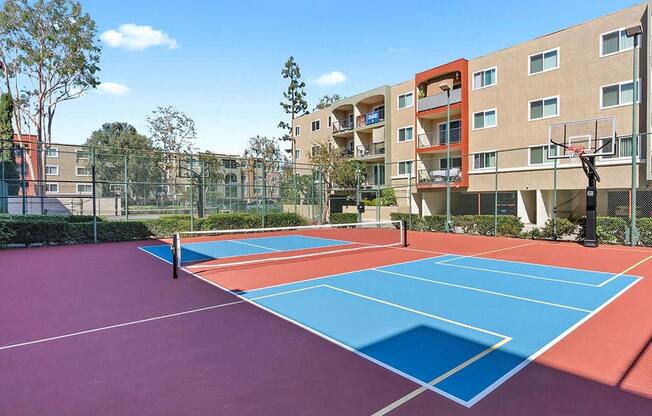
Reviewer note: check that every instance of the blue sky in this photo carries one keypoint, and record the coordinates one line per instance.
(220, 62)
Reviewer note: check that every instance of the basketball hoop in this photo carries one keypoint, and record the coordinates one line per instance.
(575, 153)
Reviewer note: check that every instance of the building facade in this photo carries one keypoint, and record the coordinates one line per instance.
(501, 107)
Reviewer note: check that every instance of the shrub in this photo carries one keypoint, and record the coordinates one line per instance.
(387, 199)
(343, 217)
(565, 227)
(412, 221)
(284, 219)
(609, 230)
(533, 234)
(435, 223)
(509, 226)
(645, 230)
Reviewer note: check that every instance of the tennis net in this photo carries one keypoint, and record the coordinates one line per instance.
(216, 249)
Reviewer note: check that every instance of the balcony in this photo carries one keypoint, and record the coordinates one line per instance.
(370, 118)
(438, 138)
(438, 100)
(340, 126)
(348, 152)
(369, 151)
(438, 177)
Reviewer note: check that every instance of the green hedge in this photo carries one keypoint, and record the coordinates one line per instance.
(564, 226)
(645, 230)
(343, 217)
(508, 225)
(51, 230)
(610, 230)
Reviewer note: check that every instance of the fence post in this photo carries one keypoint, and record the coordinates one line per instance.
(357, 194)
(378, 203)
(321, 198)
(410, 198)
(94, 179)
(296, 190)
(496, 197)
(554, 201)
(23, 187)
(192, 209)
(264, 205)
(126, 186)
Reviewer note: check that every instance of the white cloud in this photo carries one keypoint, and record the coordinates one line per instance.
(331, 78)
(137, 38)
(113, 88)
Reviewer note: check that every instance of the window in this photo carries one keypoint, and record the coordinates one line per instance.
(52, 152)
(405, 168)
(297, 130)
(456, 162)
(379, 175)
(52, 188)
(330, 122)
(455, 132)
(230, 163)
(297, 154)
(484, 119)
(231, 187)
(614, 42)
(405, 100)
(619, 94)
(315, 125)
(82, 171)
(484, 160)
(623, 148)
(82, 154)
(484, 78)
(314, 150)
(544, 108)
(84, 188)
(405, 134)
(52, 170)
(539, 155)
(544, 61)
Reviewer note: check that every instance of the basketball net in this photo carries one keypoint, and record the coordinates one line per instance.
(575, 153)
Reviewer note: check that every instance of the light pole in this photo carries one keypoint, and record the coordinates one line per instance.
(634, 32)
(446, 88)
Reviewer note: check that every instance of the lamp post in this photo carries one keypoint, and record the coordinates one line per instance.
(446, 88)
(634, 32)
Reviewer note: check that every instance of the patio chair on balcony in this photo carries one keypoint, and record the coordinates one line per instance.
(439, 176)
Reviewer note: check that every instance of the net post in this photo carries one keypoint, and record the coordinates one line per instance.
(403, 233)
(175, 255)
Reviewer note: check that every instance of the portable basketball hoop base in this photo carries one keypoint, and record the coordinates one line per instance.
(588, 165)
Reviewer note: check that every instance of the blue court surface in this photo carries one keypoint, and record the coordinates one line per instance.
(214, 250)
(460, 326)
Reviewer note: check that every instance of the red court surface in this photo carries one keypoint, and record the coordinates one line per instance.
(104, 330)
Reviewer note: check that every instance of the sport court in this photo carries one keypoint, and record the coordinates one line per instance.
(344, 320)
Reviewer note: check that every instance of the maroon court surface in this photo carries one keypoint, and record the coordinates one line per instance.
(104, 330)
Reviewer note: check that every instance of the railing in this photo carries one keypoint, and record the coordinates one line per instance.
(370, 118)
(371, 150)
(348, 152)
(342, 125)
(438, 100)
(435, 177)
(438, 138)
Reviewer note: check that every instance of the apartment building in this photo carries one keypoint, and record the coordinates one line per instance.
(501, 107)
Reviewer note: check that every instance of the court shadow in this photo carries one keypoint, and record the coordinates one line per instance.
(537, 389)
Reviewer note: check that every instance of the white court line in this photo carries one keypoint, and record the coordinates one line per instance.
(488, 252)
(250, 244)
(475, 289)
(104, 328)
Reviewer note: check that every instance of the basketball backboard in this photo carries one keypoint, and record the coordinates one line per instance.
(595, 136)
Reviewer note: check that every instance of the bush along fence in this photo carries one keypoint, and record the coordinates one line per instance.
(611, 230)
(28, 230)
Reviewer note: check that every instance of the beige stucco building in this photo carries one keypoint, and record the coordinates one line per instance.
(502, 105)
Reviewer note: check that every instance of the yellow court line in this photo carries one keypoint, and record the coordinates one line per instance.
(441, 378)
(632, 267)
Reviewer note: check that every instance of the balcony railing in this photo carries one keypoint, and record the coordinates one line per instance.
(370, 150)
(370, 118)
(348, 152)
(437, 177)
(342, 125)
(438, 100)
(438, 138)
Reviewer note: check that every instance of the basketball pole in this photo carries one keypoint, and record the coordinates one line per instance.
(634, 32)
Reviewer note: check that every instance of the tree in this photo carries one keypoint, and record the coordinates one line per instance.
(263, 151)
(48, 54)
(350, 174)
(8, 166)
(327, 100)
(294, 99)
(172, 130)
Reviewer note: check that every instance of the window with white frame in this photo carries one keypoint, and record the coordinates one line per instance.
(405, 100)
(52, 152)
(315, 125)
(52, 170)
(84, 188)
(614, 42)
(544, 108)
(485, 160)
(539, 154)
(82, 171)
(484, 119)
(405, 134)
(297, 130)
(544, 61)
(484, 78)
(297, 154)
(623, 148)
(52, 188)
(82, 154)
(456, 162)
(618, 94)
(405, 168)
